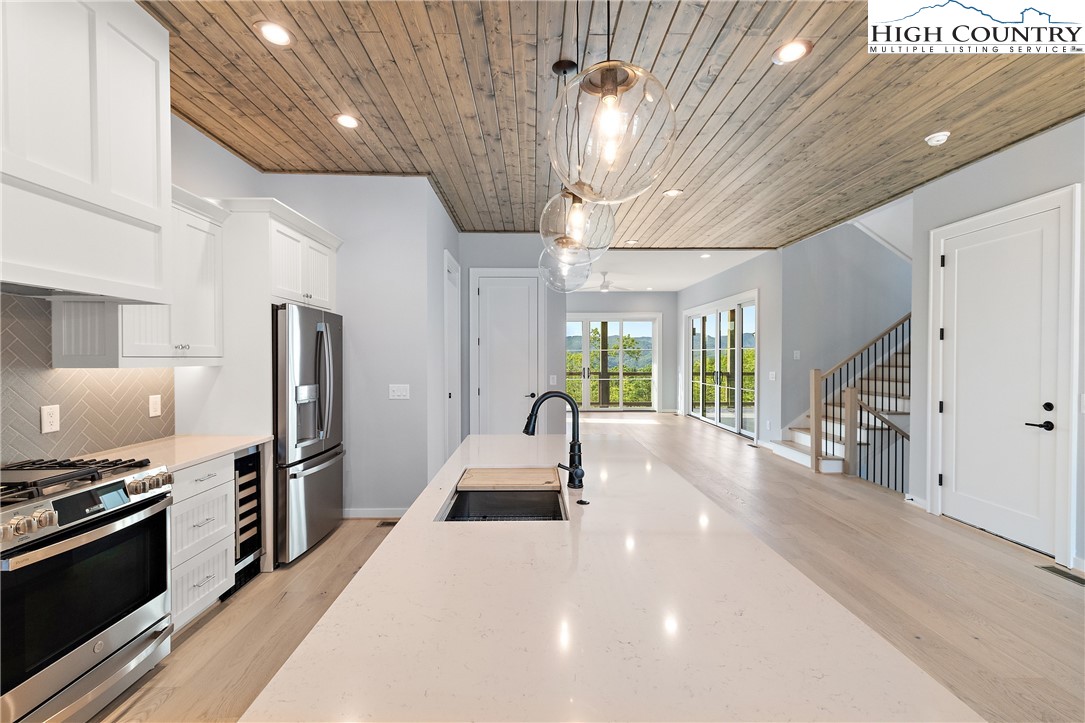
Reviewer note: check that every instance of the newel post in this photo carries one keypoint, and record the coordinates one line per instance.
(815, 418)
(851, 431)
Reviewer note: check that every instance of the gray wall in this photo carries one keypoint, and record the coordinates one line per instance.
(840, 288)
(394, 233)
(99, 408)
(764, 274)
(1046, 162)
(659, 302)
(511, 251)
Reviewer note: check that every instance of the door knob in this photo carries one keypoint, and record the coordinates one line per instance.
(532, 395)
(1044, 425)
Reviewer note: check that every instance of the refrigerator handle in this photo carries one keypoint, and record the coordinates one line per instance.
(327, 392)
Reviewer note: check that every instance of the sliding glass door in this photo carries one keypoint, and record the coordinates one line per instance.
(611, 363)
(722, 366)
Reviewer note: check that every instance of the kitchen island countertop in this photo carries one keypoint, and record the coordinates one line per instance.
(185, 450)
(650, 603)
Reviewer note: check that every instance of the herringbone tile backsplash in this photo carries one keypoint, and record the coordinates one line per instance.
(99, 408)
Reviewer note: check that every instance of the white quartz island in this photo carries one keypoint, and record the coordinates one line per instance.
(650, 603)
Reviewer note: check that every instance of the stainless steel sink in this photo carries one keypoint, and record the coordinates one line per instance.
(504, 506)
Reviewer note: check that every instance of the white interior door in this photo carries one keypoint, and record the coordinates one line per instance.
(452, 355)
(1005, 302)
(508, 357)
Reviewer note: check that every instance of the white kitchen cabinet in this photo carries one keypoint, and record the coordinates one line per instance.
(187, 332)
(190, 327)
(300, 254)
(202, 528)
(86, 148)
(301, 267)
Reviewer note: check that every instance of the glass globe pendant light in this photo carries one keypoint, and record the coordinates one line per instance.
(574, 231)
(563, 277)
(611, 130)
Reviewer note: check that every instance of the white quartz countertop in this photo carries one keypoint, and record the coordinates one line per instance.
(650, 603)
(185, 450)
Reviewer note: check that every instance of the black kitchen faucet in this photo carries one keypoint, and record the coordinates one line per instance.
(576, 472)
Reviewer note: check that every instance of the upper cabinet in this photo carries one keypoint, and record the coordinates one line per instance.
(300, 254)
(189, 331)
(85, 148)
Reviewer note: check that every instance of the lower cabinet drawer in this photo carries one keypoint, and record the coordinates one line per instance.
(198, 582)
(196, 522)
(191, 481)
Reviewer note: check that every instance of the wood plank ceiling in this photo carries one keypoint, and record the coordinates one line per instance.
(460, 91)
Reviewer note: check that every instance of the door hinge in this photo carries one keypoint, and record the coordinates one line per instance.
(480, 391)
(943, 263)
(942, 334)
(478, 291)
(939, 480)
(941, 408)
(478, 341)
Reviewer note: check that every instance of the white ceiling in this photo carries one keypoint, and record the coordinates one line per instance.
(663, 270)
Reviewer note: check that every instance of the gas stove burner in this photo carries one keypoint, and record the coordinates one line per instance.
(102, 466)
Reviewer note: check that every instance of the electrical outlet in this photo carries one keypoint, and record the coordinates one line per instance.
(399, 391)
(154, 405)
(772, 376)
(768, 424)
(553, 380)
(50, 419)
(795, 355)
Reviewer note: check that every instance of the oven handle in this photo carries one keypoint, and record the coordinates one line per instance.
(29, 558)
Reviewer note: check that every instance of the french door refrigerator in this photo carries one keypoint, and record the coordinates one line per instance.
(308, 373)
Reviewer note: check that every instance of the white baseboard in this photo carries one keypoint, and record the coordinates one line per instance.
(668, 411)
(373, 512)
(922, 504)
(1079, 563)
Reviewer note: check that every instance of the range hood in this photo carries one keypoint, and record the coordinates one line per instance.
(44, 292)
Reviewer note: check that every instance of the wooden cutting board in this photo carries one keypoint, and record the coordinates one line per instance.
(509, 478)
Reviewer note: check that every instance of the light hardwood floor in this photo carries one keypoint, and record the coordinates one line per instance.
(971, 609)
(221, 662)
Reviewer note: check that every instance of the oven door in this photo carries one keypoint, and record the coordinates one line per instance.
(75, 599)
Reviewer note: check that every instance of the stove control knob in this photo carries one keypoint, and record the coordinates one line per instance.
(136, 487)
(21, 525)
(45, 518)
(152, 482)
(159, 480)
(6, 533)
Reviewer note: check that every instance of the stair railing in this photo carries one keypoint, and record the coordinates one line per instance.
(883, 458)
(827, 398)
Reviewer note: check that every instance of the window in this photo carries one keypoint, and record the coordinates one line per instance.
(611, 361)
(721, 340)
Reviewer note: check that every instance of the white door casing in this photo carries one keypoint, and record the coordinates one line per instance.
(452, 325)
(507, 349)
(1005, 301)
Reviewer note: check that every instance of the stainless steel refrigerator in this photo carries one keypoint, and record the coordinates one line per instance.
(309, 449)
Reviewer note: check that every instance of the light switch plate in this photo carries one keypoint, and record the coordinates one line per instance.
(772, 376)
(553, 380)
(154, 405)
(50, 418)
(795, 355)
(399, 391)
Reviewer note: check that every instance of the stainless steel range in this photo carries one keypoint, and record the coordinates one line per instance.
(84, 583)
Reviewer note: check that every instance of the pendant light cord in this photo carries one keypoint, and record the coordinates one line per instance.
(609, 39)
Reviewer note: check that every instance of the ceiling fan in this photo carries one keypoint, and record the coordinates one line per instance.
(605, 286)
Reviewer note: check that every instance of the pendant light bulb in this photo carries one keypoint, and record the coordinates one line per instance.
(574, 231)
(611, 132)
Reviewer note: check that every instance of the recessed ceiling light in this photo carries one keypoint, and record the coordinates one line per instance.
(347, 121)
(630, 242)
(790, 52)
(274, 33)
(937, 139)
(706, 256)
(673, 192)
(648, 288)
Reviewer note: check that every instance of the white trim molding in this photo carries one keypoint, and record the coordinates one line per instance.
(1068, 479)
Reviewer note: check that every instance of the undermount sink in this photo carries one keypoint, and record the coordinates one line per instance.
(504, 506)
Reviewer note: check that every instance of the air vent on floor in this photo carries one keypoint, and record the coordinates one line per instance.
(1061, 572)
(387, 523)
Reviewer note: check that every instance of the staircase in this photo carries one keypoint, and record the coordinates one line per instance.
(865, 435)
